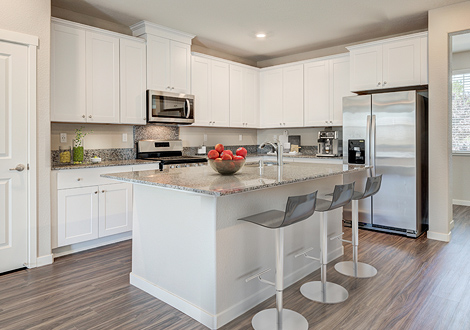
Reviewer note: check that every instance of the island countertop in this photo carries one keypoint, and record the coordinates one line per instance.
(204, 180)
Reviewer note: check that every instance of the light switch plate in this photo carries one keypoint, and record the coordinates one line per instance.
(124, 137)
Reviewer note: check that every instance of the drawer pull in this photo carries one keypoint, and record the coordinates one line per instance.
(103, 191)
(79, 179)
(96, 192)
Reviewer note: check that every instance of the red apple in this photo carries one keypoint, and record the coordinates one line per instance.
(218, 159)
(226, 156)
(241, 152)
(228, 152)
(213, 154)
(219, 147)
(238, 157)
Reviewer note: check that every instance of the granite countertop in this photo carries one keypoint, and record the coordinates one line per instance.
(205, 180)
(56, 167)
(298, 155)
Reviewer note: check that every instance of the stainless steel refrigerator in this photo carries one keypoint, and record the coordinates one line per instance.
(390, 132)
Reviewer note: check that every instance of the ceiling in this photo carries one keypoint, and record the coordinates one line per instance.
(292, 26)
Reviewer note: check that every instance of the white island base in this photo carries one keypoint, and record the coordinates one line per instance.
(190, 251)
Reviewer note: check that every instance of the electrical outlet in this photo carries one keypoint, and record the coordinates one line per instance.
(124, 137)
(63, 137)
(240, 137)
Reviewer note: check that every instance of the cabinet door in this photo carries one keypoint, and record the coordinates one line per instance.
(220, 94)
(158, 63)
(271, 98)
(102, 81)
(424, 60)
(180, 69)
(236, 96)
(133, 85)
(77, 219)
(401, 63)
(366, 68)
(293, 96)
(115, 211)
(250, 98)
(68, 74)
(200, 85)
(339, 88)
(316, 93)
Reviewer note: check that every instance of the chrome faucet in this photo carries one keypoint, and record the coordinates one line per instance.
(278, 148)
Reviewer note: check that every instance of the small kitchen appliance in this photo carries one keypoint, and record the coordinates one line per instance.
(170, 108)
(168, 153)
(327, 144)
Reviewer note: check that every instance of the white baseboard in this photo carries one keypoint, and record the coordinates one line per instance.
(451, 225)
(460, 202)
(44, 260)
(216, 321)
(79, 247)
(439, 236)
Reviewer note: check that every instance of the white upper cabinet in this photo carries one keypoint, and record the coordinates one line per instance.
(220, 94)
(168, 57)
(68, 73)
(243, 97)
(271, 98)
(390, 63)
(210, 86)
(102, 78)
(97, 76)
(326, 83)
(316, 93)
(282, 100)
(133, 82)
(201, 88)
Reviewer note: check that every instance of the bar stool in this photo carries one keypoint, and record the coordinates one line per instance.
(298, 208)
(354, 268)
(323, 291)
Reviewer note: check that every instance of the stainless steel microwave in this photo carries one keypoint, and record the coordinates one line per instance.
(170, 108)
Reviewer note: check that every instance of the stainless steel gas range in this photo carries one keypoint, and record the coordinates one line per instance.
(168, 153)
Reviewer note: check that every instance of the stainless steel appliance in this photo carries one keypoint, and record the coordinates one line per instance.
(328, 144)
(390, 132)
(164, 107)
(168, 153)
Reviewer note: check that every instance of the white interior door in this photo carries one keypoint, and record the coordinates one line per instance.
(13, 156)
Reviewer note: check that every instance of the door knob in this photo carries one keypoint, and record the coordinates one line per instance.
(19, 168)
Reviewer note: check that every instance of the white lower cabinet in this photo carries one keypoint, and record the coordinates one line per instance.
(87, 206)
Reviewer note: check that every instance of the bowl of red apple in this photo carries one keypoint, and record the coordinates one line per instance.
(224, 161)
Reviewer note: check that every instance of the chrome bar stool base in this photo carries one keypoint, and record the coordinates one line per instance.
(362, 270)
(333, 294)
(267, 320)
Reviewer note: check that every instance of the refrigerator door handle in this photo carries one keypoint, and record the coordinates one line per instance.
(372, 144)
(367, 146)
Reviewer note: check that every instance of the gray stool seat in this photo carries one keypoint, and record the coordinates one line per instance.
(298, 208)
(355, 268)
(323, 291)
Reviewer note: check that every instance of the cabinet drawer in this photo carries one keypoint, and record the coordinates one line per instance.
(87, 177)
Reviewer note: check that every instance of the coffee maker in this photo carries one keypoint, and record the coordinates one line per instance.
(328, 144)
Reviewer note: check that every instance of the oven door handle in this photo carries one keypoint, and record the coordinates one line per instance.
(188, 106)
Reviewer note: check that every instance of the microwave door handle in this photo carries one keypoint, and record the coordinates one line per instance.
(188, 106)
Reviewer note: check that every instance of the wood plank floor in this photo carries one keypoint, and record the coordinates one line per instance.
(421, 284)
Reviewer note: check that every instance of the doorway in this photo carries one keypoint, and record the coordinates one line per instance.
(17, 150)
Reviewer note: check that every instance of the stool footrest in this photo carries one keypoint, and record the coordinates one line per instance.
(258, 275)
(304, 253)
(346, 241)
(337, 237)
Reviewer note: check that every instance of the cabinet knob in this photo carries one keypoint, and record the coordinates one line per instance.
(103, 191)
(378, 84)
(79, 179)
(89, 116)
(326, 121)
(385, 82)
(172, 88)
(144, 119)
(96, 192)
(168, 87)
(83, 116)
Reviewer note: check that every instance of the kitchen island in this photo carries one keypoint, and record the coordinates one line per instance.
(190, 251)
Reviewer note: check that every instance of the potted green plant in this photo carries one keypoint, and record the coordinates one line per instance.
(78, 151)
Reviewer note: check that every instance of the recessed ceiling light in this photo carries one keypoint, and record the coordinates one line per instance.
(261, 35)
